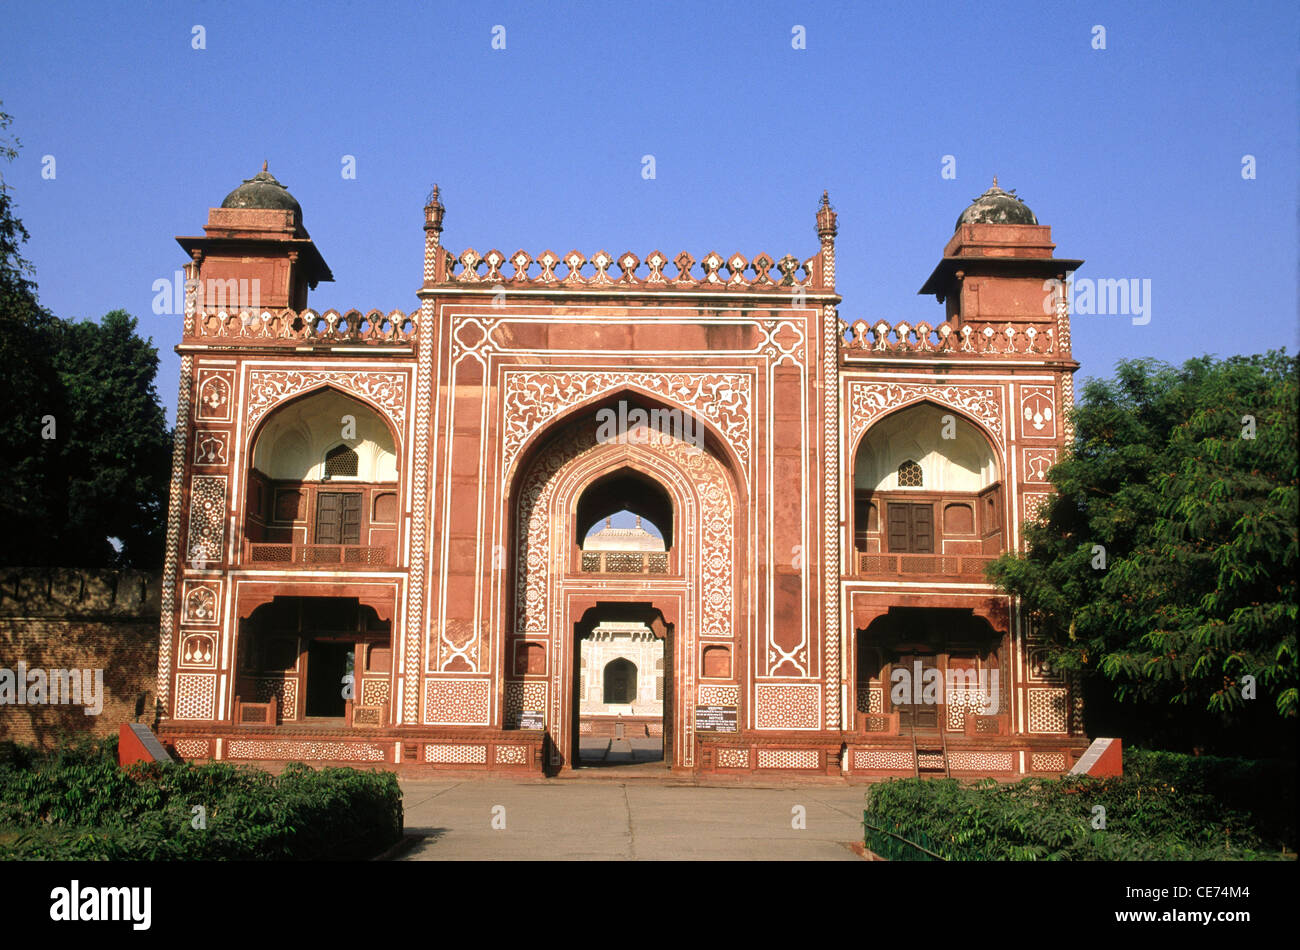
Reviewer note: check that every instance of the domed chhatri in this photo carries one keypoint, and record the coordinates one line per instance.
(262, 191)
(996, 206)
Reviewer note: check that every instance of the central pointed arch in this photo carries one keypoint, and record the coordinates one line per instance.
(702, 590)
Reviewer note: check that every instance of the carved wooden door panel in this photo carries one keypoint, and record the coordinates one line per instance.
(916, 714)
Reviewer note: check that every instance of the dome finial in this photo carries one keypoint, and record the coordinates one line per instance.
(826, 229)
(433, 211)
(264, 166)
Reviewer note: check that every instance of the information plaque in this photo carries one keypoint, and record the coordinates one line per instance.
(715, 718)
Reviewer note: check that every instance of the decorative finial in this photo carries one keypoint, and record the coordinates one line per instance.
(638, 521)
(609, 522)
(995, 181)
(263, 164)
(826, 229)
(433, 211)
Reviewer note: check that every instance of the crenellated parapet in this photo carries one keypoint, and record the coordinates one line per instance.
(296, 327)
(971, 339)
(602, 271)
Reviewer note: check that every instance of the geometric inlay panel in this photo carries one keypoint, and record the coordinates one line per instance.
(788, 758)
(719, 695)
(982, 761)
(285, 691)
(788, 706)
(733, 758)
(882, 759)
(870, 699)
(1047, 711)
(520, 696)
(1047, 761)
(303, 751)
(196, 695)
(456, 702)
(511, 755)
(192, 748)
(207, 517)
(374, 692)
(447, 754)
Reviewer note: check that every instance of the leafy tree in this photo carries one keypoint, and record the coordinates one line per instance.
(1165, 564)
(117, 460)
(84, 441)
(28, 388)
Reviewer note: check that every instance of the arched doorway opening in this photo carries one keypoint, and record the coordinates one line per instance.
(623, 686)
(319, 657)
(927, 496)
(922, 671)
(684, 561)
(624, 525)
(322, 485)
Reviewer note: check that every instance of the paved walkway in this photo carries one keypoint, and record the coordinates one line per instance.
(620, 751)
(632, 819)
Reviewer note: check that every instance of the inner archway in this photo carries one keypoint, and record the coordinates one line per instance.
(684, 566)
(623, 679)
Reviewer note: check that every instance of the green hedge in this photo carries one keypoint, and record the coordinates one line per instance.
(1163, 808)
(79, 805)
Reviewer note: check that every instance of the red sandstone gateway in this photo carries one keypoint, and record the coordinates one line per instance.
(390, 539)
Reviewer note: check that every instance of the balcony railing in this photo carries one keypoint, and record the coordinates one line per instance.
(343, 555)
(624, 562)
(957, 565)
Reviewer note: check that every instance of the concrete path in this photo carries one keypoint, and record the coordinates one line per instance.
(573, 819)
(620, 751)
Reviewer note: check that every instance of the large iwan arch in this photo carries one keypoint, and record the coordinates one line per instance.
(699, 595)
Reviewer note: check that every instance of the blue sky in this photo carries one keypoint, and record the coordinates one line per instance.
(1133, 154)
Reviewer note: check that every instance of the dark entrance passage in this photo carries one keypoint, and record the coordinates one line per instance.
(302, 651)
(918, 662)
(329, 663)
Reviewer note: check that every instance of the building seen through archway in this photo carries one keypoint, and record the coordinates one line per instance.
(621, 663)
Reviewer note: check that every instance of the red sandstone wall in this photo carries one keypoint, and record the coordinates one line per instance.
(65, 618)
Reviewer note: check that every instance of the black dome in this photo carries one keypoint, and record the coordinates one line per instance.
(996, 206)
(262, 191)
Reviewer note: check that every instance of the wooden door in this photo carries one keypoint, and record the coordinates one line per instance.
(911, 528)
(338, 518)
(917, 715)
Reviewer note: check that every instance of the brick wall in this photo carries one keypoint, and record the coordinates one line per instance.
(65, 618)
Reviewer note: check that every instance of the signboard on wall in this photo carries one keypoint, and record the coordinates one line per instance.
(715, 718)
(532, 719)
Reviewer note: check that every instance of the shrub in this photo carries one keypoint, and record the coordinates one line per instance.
(77, 804)
(1163, 808)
